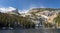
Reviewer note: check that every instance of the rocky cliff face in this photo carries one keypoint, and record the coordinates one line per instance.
(36, 15)
(46, 14)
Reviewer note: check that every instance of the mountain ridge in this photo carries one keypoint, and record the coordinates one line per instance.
(35, 16)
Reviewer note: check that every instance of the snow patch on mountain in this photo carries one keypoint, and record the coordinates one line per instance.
(9, 9)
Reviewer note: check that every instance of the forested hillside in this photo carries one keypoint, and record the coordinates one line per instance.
(14, 21)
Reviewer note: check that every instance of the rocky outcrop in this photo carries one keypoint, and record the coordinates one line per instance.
(40, 16)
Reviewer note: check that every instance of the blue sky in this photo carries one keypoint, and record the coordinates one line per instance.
(26, 4)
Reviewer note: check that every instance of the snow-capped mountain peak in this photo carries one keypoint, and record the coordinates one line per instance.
(9, 9)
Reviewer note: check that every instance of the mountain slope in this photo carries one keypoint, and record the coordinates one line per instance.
(44, 16)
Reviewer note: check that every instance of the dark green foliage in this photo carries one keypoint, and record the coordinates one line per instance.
(48, 25)
(14, 21)
(57, 19)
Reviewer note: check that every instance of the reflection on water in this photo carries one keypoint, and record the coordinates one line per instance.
(31, 31)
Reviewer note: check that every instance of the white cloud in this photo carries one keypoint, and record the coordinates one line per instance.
(9, 9)
(4, 10)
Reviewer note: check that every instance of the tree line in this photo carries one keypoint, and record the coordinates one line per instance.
(14, 21)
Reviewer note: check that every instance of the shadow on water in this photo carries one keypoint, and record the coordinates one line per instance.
(31, 31)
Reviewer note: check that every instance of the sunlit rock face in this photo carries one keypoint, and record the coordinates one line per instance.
(39, 15)
(35, 13)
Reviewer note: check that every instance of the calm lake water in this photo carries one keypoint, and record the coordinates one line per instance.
(31, 31)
